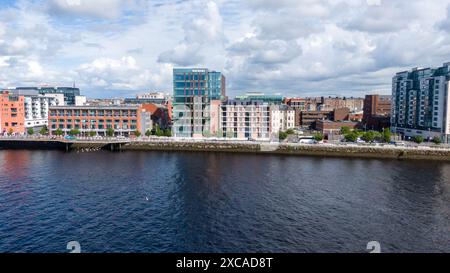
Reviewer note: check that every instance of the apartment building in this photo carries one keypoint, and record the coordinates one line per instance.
(36, 110)
(244, 119)
(421, 103)
(282, 118)
(123, 119)
(69, 93)
(12, 113)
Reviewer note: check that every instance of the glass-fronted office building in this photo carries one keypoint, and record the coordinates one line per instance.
(193, 91)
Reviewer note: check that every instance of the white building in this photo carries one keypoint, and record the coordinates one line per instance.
(80, 100)
(152, 95)
(36, 110)
(244, 119)
(282, 118)
(59, 98)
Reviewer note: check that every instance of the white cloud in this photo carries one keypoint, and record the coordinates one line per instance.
(109, 9)
(201, 33)
(35, 69)
(290, 46)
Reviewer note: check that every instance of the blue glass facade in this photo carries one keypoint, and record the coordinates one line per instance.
(193, 90)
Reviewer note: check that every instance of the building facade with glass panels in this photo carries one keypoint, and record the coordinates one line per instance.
(123, 119)
(193, 91)
(70, 93)
(421, 103)
(244, 119)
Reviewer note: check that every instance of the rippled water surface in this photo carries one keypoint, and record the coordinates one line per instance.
(216, 202)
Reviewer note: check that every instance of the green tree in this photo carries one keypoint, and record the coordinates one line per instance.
(110, 132)
(148, 133)
(345, 130)
(351, 137)
(137, 133)
(92, 134)
(44, 131)
(318, 137)
(282, 135)
(74, 132)
(418, 139)
(168, 133)
(58, 132)
(30, 131)
(368, 136)
(158, 131)
(386, 135)
(290, 131)
(378, 136)
(359, 132)
(437, 140)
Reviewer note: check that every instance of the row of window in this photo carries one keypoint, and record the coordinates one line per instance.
(93, 127)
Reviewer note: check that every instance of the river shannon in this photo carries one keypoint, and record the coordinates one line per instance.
(218, 202)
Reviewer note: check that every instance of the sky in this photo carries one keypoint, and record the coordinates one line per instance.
(116, 48)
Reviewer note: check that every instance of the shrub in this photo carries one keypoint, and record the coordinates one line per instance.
(418, 139)
(351, 137)
(437, 140)
(318, 137)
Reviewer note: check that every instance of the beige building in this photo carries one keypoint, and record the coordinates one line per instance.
(245, 119)
(282, 118)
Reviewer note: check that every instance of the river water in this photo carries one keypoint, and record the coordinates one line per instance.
(218, 202)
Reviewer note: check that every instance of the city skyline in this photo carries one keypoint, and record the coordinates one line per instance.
(124, 47)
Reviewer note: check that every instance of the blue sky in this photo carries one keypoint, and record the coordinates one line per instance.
(113, 48)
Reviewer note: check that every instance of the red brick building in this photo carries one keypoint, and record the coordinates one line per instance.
(123, 119)
(377, 111)
(12, 113)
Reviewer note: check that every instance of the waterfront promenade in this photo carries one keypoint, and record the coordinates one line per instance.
(336, 149)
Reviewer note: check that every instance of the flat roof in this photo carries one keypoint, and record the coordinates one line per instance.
(88, 107)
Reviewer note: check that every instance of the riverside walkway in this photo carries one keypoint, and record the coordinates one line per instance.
(44, 142)
(409, 150)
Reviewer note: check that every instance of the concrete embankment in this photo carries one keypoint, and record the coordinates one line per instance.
(389, 152)
(32, 145)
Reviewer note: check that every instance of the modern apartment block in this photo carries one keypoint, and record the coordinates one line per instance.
(282, 118)
(377, 112)
(421, 103)
(36, 110)
(193, 91)
(123, 119)
(36, 106)
(12, 113)
(245, 119)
